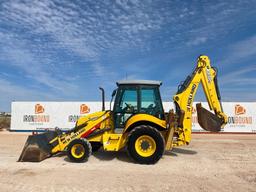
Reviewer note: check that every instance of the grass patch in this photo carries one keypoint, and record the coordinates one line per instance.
(5, 122)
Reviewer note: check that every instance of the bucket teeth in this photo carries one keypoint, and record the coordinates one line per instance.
(207, 120)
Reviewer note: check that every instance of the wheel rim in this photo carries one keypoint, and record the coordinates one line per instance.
(77, 151)
(145, 146)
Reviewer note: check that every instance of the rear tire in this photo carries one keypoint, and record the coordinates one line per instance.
(145, 144)
(79, 150)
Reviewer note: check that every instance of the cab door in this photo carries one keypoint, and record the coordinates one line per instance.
(126, 105)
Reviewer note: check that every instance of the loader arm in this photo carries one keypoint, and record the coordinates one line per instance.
(41, 146)
(207, 76)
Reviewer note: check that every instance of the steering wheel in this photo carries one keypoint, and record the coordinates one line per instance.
(128, 108)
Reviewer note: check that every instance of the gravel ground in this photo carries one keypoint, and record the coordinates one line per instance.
(209, 163)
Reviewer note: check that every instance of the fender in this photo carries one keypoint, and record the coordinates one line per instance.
(142, 118)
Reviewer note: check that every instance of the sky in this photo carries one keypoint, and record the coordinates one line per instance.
(60, 50)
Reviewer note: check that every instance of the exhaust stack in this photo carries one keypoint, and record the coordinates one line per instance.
(103, 98)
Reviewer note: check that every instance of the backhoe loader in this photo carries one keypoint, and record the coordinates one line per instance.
(137, 121)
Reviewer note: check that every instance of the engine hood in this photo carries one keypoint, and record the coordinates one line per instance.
(91, 117)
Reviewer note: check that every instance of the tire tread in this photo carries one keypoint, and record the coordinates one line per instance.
(157, 155)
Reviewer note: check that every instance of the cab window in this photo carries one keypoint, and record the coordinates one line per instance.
(151, 102)
(128, 103)
(126, 106)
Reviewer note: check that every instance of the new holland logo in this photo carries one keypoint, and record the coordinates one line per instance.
(84, 109)
(240, 116)
(190, 97)
(38, 117)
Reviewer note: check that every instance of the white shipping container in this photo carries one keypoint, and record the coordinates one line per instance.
(38, 116)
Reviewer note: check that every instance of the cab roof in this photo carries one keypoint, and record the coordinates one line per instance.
(138, 82)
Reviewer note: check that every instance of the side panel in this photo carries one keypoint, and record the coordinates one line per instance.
(113, 142)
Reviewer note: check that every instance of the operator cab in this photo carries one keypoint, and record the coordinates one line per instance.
(136, 97)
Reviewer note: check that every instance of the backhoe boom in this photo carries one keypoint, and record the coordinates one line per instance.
(207, 76)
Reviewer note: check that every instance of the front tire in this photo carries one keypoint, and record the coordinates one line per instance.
(145, 144)
(79, 150)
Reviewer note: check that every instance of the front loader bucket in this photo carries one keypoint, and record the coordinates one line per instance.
(37, 147)
(207, 120)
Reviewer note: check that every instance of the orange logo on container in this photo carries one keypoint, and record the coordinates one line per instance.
(239, 110)
(39, 109)
(84, 109)
(239, 119)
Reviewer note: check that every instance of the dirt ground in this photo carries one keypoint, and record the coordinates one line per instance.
(209, 163)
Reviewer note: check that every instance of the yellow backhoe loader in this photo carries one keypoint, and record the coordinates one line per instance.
(137, 122)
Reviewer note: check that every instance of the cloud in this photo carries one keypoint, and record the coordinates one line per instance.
(236, 94)
(197, 41)
(11, 92)
(85, 28)
(16, 53)
(240, 77)
(211, 21)
(82, 29)
(240, 50)
(239, 85)
(62, 45)
(245, 47)
(88, 29)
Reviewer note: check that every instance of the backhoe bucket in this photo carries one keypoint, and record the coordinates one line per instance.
(37, 147)
(207, 120)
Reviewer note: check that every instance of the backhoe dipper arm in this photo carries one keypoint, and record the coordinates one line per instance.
(207, 76)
